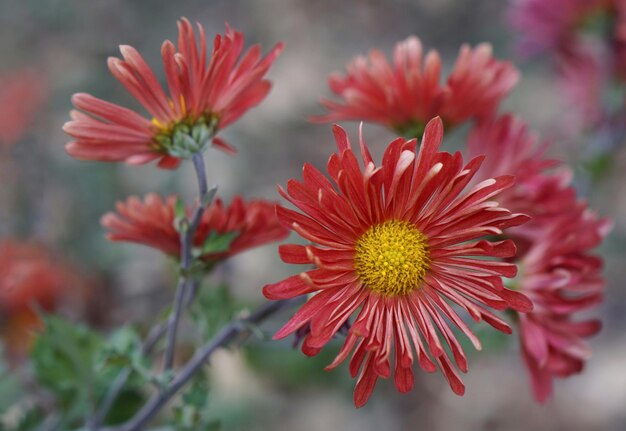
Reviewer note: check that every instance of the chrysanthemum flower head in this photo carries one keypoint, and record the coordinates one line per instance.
(151, 222)
(203, 97)
(542, 186)
(407, 93)
(558, 271)
(563, 278)
(394, 245)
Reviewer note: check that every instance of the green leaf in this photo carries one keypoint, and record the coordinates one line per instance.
(208, 197)
(63, 358)
(198, 393)
(180, 215)
(218, 242)
(78, 366)
(122, 349)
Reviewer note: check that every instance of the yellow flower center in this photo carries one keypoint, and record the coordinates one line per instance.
(392, 258)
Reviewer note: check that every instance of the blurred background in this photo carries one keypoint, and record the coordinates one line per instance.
(50, 204)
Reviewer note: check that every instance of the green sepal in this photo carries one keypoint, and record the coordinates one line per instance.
(181, 224)
(218, 242)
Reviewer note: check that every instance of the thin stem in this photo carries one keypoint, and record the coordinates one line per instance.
(187, 234)
(172, 323)
(237, 328)
(198, 164)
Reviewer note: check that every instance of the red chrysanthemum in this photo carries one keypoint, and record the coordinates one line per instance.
(552, 25)
(203, 98)
(395, 245)
(562, 277)
(405, 95)
(29, 277)
(542, 187)
(151, 222)
(21, 95)
(558, 272)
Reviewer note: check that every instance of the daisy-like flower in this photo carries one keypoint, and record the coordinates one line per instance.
(406, 94)
(563, 278)
(542, 186)
(151, 222)
(394, 245)
(21, 94)
(557, 270)
(552, 25)
(204, 97)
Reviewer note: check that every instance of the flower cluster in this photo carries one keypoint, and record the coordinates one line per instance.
(399, 250)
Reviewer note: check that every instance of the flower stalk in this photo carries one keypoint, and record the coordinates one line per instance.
(187, 233)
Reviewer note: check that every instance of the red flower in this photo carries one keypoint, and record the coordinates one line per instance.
(29, 276)
(151, 222)
(512, 149)
(392, 245)
(562, 278)
(21, 94)
(405, 95)
(558, 272)
(203, 98)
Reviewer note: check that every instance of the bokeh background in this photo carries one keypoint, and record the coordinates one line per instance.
(54, 201)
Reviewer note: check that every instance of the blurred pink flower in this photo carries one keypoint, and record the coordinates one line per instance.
(581, 76)
(551, 25)
(406, 94)
(151, 222)
(563, 278)
(22, 92)
(395, 244)
(212, 95)
(557, 270)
